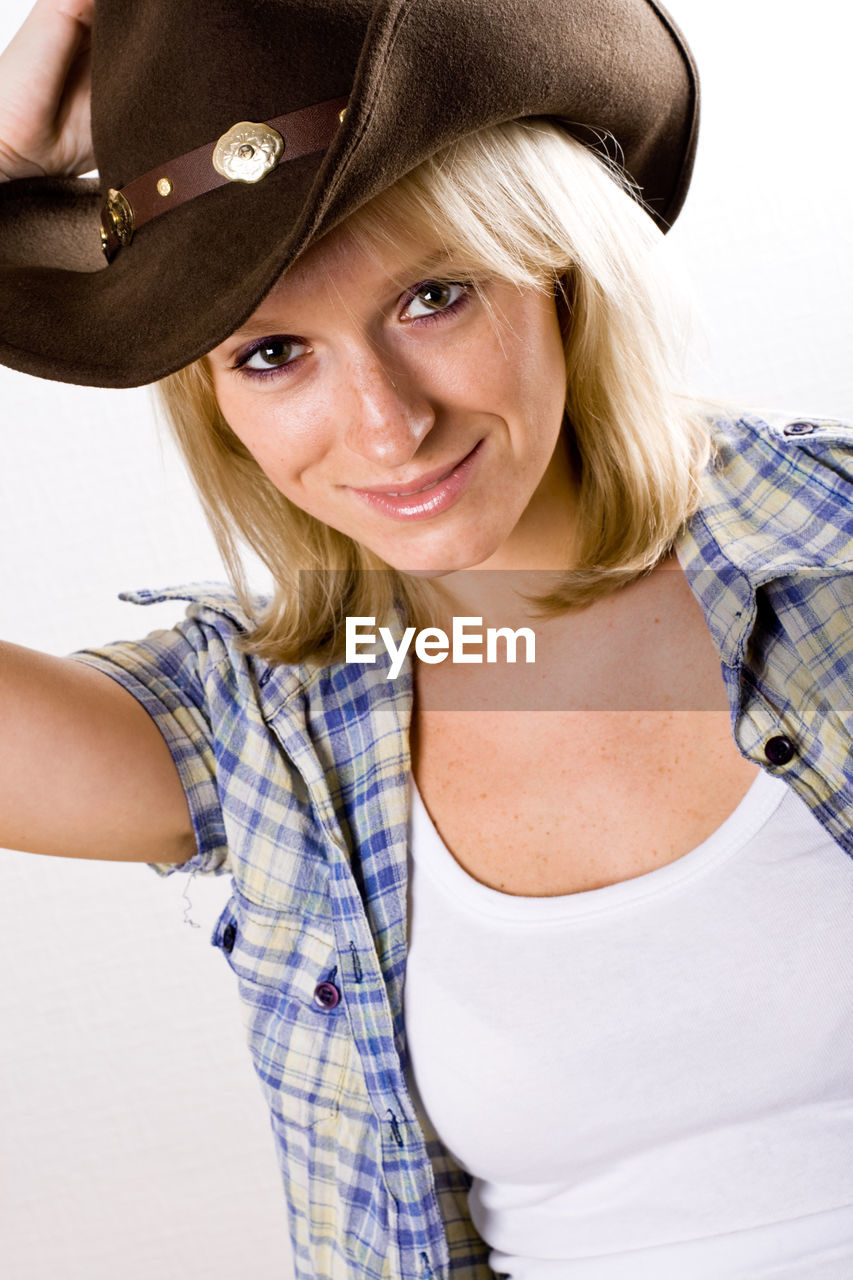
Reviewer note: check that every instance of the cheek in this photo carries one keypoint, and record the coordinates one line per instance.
(460, 371)
(527, 370)
(548, 379)
(282, 443)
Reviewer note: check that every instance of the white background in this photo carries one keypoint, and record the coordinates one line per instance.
(134, 1141)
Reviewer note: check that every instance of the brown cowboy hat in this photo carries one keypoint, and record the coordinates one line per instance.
(224, 151)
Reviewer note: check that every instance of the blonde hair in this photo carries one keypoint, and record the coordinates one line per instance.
(528, 203)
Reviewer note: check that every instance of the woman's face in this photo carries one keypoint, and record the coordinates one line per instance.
(378, 393)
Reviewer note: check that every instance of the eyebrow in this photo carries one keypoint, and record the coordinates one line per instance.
(259, 327)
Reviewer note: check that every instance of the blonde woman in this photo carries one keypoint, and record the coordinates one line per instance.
(534, 951)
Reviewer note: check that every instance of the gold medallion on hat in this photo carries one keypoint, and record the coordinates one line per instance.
(120, 214)
(247, 152)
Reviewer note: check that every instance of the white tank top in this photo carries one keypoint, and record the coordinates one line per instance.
(652, 1079)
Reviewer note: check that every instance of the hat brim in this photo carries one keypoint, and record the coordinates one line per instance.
(196, 275)
(193, 275)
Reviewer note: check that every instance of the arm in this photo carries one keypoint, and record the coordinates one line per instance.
(84, 771)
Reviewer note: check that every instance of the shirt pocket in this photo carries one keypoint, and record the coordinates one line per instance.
(293, 1008)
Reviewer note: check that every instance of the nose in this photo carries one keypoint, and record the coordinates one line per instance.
(387, 413)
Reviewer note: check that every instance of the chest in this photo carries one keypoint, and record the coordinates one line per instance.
(563, 803)
(625, 763)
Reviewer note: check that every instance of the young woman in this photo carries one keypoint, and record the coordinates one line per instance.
(544, 967)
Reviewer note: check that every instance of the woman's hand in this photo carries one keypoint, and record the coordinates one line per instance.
(45, 125)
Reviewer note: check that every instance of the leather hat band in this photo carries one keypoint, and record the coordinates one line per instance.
(247, 152)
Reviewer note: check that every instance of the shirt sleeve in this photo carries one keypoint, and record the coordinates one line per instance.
(165, 672)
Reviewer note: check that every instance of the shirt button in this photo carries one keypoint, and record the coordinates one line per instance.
(229, 936)
(779, 750)
(798, 429)
(326, 995)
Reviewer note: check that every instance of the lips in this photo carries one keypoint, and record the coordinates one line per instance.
(433, 493)
(426, 481)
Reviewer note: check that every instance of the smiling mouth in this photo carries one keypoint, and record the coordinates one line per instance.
(407, 493)
(429, 481)
(429, 496)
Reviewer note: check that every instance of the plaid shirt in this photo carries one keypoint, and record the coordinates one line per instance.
(297, 781)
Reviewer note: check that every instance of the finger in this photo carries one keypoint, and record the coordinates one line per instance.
(75, 121)
(37, 60)
(82, 11)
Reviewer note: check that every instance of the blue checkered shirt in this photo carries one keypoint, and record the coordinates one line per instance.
(297, 779)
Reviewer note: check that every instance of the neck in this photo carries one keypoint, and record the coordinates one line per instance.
(499, 596)
(540, 548)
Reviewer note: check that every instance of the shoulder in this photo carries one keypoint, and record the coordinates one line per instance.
(776, 497)
(201, 653)
(779, 490)
(216, 621)
(775, 443)
(210, 651)
(213, 603)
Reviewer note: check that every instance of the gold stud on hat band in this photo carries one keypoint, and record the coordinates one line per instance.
(246, 152)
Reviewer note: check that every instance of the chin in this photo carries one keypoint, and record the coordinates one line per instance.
(426, 573)
(446, 555)
(433, 553)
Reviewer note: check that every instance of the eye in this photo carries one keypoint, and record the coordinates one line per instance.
(271, 354)
(435, 296)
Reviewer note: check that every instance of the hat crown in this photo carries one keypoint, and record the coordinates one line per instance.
(169, 77)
